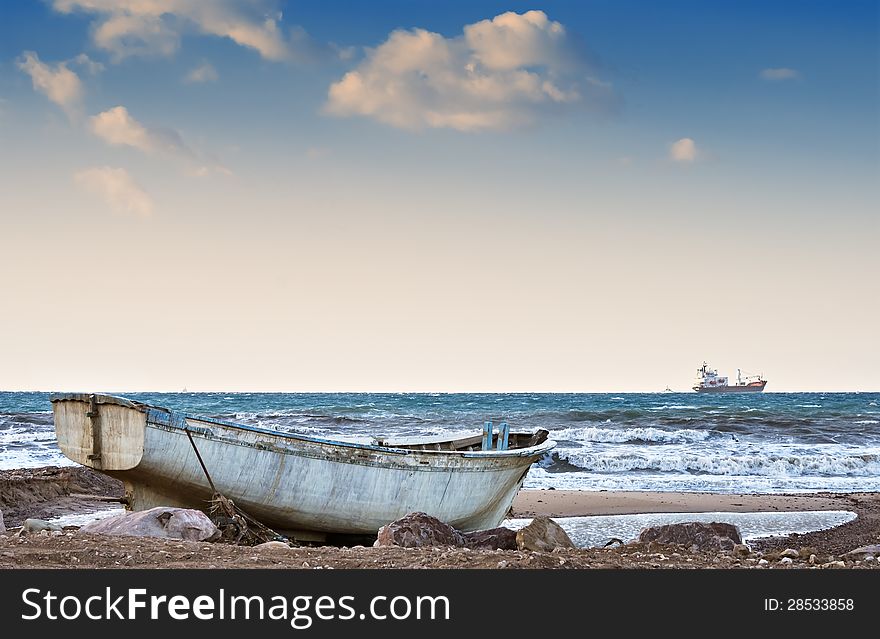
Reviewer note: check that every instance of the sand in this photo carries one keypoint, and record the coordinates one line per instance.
(50, 492)
(579, 503)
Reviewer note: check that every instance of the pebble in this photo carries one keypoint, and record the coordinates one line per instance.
(271, 545)
(763, 562)
(790, 552)
(786, 560)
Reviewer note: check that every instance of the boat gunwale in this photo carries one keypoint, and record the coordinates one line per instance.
(175, 417)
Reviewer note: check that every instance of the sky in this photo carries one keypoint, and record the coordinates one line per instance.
(596, 196)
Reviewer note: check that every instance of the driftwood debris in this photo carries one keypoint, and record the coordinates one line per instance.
(237, 527)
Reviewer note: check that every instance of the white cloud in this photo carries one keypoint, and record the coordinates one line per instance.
(511, 40)
(203, 73)
(499, 73)
(117, 127)
(117, 188)
(781, 73)
(124, 35)
(61, 85)
(683, 150)
(154, 27)
(94, 68)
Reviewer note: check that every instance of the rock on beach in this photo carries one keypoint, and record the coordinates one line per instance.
(543, 535)
(421, 530)
(161, 521)
(705, 536)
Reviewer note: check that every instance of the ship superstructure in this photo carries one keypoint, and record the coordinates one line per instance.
(709, 381)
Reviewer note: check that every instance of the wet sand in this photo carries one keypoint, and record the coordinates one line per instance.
(577, 503)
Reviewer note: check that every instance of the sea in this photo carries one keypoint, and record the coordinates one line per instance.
(731, 443)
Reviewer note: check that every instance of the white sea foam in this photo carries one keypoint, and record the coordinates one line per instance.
(622, 435)
(774, 463)
(32, 458)
(538, 478)
(25, 434)
(26, 445)
(83, 519)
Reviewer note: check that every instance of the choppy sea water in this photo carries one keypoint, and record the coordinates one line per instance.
(765, 443)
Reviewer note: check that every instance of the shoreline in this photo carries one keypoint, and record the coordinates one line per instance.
(582, 503)
(52, 491)
(49, 492)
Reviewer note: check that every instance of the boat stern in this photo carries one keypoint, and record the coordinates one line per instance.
(100, 431)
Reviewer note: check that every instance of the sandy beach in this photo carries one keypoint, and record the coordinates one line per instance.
(52, 492)
(579, 503)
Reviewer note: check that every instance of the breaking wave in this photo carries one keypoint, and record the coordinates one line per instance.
(768, 464)
(630, 435)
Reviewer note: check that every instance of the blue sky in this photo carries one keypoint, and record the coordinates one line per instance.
(367, 189)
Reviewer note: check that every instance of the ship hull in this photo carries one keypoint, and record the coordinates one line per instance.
(750, 388)
(303, 486)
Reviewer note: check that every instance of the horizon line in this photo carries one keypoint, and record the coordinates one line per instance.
(432, 392)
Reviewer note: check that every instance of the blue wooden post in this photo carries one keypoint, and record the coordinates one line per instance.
(487, 436)
(503, 435)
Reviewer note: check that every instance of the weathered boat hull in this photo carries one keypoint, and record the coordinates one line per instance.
(292, 483)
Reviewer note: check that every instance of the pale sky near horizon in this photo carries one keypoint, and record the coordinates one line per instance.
(251, 195)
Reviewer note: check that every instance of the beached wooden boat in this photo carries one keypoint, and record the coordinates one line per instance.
(302, 486)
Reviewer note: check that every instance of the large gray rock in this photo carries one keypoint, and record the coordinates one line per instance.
(711, 536)
(492, 539)
(543, 535)
(864, 551)
(420, 530)
(161, 521)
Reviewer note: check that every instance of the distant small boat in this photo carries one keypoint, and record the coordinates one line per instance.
(708, 381)
(302, 486)
(668, 390)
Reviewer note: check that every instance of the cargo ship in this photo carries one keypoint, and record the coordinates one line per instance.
(708, 381)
